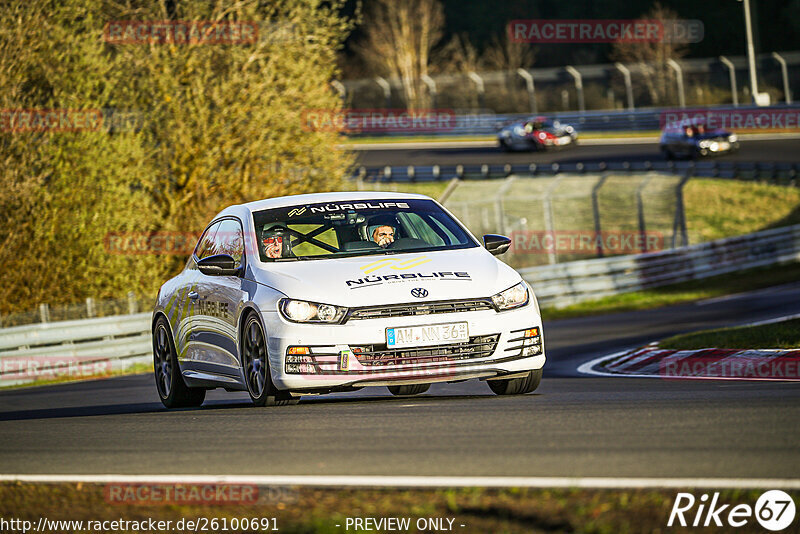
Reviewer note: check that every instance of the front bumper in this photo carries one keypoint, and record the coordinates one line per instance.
(495, 348)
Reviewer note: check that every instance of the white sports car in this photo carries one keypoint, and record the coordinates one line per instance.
(312, 294)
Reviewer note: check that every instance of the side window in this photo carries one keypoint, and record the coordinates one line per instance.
(205, 247)
(230, 239)
(419, 229)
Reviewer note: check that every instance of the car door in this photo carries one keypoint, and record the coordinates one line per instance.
(218, 304)
(183, 309)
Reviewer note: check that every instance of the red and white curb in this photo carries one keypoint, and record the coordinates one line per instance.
(652, 361)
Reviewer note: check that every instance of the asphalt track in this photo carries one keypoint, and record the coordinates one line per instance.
(773, 149)
(573, 425)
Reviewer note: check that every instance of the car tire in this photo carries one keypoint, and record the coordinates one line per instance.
(172, 390)
(505, 146)
(517, 386)
(255, 367)
(412, 389)
(668, 155)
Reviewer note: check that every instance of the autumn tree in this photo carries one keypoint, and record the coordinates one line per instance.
(399, 39)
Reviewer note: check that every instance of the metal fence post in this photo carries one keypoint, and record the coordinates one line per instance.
(480, 87)
(428, 81)
(679, 224)
(732, 74)
(387, 91)
(90, 308)
(501, 220)
(640, 209)
(679, 75)
(549, 220)
(454, 183)
(341, 89)
(787, 93)
(44, 312)
(578, 86)
(626, 73)
(598, 229)
(528, 77)
(133, 305)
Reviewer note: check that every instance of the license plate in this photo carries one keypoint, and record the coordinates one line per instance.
(421, 336)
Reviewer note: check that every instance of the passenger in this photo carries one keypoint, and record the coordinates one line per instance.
(383, 236)
(276, 241)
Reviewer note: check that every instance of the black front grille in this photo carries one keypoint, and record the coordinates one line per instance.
(379, 355)
(414, 308)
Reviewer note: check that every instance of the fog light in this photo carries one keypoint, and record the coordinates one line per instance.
(299, 350)
(531, 350)
(531, 332)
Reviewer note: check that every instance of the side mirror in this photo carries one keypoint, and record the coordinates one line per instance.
(496, 244)
(218, 265)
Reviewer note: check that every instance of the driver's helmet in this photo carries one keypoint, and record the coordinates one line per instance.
(277, 234)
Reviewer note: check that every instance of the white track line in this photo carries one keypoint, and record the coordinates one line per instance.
(418, 481)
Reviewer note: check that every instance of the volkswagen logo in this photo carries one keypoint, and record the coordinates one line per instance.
(419, 292)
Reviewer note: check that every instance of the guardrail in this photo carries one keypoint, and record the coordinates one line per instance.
(74, 348)
(563, 284)
(484, 122)
(778, 171)
(29, 352)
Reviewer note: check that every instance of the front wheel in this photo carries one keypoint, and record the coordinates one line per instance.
(517, 386)
(413, 389)
(255, 364)
(172, 390)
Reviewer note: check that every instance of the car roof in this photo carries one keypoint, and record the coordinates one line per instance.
(315, 198)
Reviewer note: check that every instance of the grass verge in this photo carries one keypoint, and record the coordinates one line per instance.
(302, 510)
(716, 286)
(782, 335)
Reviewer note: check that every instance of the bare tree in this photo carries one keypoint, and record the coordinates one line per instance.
(459, 55)
(653, 57)
(399, 39)
(504, 54)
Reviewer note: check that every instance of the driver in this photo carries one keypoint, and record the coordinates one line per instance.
(383, 235)
(277, 241)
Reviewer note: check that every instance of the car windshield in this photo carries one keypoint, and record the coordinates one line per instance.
(356, 228)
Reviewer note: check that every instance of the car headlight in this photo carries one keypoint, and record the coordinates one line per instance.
(732, 138)
(704, 144)
(300, 311)
(513, 297)
(520, 131)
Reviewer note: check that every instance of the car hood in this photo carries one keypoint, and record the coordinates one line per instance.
(716, 134)
(387, 279)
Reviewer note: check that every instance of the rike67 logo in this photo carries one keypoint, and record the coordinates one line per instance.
(774, 510)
